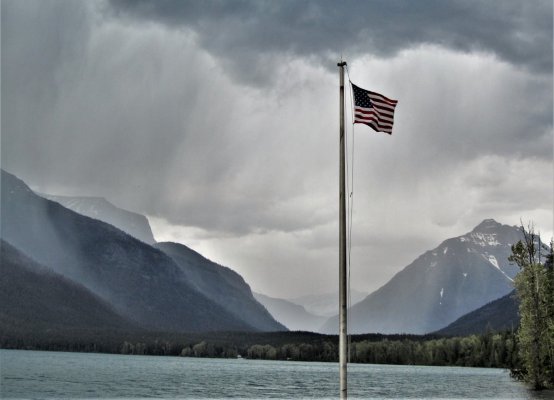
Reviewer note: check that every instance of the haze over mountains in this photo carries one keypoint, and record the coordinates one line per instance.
(305, 313)
(441, 285)
(140, 282)
(326, 304)
(130, 284)
(292, 315)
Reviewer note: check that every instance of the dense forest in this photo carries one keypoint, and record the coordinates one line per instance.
(499, 350)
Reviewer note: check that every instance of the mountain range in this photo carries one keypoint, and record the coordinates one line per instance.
(129, 282)
(459, 276)
(140, 282)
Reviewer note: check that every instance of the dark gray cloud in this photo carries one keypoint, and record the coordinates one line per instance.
(220, 120)
(241, 32)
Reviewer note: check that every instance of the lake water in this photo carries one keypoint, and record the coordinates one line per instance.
(41, 375)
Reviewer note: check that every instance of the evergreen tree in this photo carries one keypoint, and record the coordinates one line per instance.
(549, 266)
(535, 293)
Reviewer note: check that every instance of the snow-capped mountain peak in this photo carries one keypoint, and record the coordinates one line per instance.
(461, 274)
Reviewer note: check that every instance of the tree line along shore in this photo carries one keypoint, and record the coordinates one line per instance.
(495, 350)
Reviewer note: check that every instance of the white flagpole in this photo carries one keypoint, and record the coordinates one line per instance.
(343, 345)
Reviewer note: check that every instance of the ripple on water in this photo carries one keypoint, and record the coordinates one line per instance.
(30, 374)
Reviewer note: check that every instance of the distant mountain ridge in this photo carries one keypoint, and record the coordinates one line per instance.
(441, 285)
(141, 282)
(326, 304)
(293, 316)
(134, 224)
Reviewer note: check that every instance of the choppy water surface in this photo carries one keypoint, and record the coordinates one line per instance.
(38, 375)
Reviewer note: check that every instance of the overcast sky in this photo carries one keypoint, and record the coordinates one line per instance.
(219, 121)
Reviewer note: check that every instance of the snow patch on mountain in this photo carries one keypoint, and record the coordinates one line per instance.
(484, 239)
(493, 261)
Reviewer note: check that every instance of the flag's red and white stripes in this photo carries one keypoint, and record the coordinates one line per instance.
(373, 109)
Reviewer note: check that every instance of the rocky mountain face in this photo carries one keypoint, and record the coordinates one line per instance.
(141, 283)
(459, 276)
(222, 285)
(134, 224)
(293, 316)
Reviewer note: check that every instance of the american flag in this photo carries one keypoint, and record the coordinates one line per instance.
(373, 109)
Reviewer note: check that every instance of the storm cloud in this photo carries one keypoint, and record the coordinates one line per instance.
(242, 32)
(219, 120)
